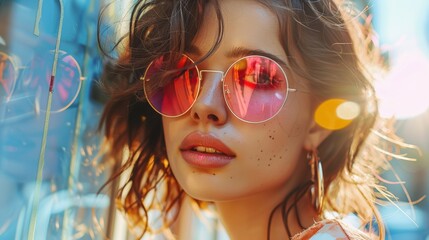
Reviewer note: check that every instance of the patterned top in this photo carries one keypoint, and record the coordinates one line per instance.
(332, 230)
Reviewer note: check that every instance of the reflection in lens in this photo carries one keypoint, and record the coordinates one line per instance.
(255, 88)
(67, 84)
(171, 87)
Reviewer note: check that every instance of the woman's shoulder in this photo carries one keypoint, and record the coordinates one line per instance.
(332, 229)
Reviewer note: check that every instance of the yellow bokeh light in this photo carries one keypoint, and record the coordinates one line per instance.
(335, 114)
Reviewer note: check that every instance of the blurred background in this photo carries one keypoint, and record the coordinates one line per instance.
(51, 167)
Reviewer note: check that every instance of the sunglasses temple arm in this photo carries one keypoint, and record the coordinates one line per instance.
(38, 17)
(37, 190)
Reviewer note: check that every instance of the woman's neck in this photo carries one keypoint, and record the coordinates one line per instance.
(248, 218)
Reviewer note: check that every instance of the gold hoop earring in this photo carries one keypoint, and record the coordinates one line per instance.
(317, 190)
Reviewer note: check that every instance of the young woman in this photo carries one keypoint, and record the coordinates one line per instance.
(263, 108)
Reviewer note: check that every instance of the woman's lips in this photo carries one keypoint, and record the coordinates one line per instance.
(204, 150)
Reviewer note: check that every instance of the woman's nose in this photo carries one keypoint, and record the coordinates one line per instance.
(210, 106)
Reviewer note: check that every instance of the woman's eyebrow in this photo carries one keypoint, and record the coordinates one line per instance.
(238, 52)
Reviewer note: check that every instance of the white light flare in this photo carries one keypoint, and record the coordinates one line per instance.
(405, 91)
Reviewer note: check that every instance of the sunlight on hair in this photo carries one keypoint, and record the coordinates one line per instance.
(403, 93)
(335, 114)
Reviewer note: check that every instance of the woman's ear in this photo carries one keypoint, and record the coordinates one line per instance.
(315, 136)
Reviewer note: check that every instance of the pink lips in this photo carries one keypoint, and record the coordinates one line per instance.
(204, 150)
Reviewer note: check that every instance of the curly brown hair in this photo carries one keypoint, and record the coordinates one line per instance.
(327, 43)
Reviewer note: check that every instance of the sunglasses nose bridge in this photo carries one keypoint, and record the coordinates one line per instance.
(209, 104)
(210, 71)
(210, 80)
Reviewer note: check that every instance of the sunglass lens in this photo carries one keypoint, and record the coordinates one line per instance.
(7, 76)
(255, 88)
(171, 85)
(67, 82)
(36, 80)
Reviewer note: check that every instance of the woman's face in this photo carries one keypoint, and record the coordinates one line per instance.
(214, 155)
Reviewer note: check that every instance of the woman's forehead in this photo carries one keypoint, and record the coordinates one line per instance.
(247, 24)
